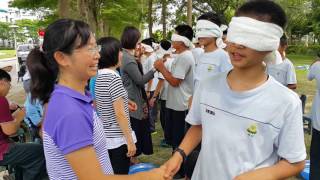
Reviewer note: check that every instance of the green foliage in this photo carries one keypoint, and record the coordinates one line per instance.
(4, 30)
(120, 13)
(34, 4)
(302, 49)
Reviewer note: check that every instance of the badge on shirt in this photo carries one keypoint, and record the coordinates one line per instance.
(210, 68)
(252, 130)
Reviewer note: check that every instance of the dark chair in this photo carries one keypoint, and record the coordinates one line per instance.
(307, 125)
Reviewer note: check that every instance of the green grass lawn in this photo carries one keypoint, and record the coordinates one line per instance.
(7, 54)
(304, 87)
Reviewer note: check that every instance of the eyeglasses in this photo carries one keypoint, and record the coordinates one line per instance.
(92, 50)
(95, 49)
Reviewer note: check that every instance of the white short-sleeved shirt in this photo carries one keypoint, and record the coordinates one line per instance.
(181, 68)
(197, 52)
(243, 131)
(314, 73)
(211, 63)
(284, 72)
(147, 65)
(164, 91)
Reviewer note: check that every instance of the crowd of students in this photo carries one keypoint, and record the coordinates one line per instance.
(227, 105)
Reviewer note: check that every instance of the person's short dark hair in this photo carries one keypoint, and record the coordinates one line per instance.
(264, 10)
(63, 35)
(165, 44)
(130, 37)
(212, 17)
(184, 30)
(148, 41)
(284, 40)
(109, 54)
(4, 75)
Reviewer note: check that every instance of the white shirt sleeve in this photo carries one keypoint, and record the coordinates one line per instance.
(182, 66)
(312, 72)
(194, 115)
(291, 144)
(226, 64)
(291, 74)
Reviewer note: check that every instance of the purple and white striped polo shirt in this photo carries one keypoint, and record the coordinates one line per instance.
(71, 124)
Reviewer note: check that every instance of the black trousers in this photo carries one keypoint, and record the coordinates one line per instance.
(119, 160)
(164, 120)
(27, 159)
(315, 155)
(142, 131)
(176, 126)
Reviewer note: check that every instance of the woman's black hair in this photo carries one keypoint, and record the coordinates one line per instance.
(264, 10)
(109, 54)
(4, 75)
(130, 37)
(212, 17)
(184, 30)
(63, 35)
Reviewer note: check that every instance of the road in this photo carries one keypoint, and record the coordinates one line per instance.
(16, 93)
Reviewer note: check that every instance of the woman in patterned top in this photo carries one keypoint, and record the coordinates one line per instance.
(112, 106)
(73, 139)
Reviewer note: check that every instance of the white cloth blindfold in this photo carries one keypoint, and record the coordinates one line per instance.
(254, 34)
(186, 41)
(205, 28)
(147, 48)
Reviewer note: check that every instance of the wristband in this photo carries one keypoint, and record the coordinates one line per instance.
(182, 153)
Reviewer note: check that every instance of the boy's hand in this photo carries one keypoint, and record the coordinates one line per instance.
(172, 166)
(151, 101)
(19, 115)
(254, 175)
(159, 64)
(156, 174)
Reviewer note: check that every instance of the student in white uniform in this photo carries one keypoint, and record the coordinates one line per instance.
(214, 59)
(150, 87)
(164, 52)
(314, 74)
(180, 80)
(250, 125)
(284, 72)
(197, 50)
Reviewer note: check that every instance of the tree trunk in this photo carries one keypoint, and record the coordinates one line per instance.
(150, 19)
(164, 18)
(63, 8)
(89, 13)
(189, 13)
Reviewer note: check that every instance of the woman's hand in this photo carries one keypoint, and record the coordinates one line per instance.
(132, 106)
(131, 149)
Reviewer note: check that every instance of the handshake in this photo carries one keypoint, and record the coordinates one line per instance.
(167, 170)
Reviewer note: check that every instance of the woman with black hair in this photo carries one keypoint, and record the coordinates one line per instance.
(74, 143)
(134, 81)
(112, 106)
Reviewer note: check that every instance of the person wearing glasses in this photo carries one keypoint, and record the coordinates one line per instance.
(74, 142)
(26, 158)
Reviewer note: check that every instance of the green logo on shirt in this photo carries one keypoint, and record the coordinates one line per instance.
(252, 130)
(210, 68)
